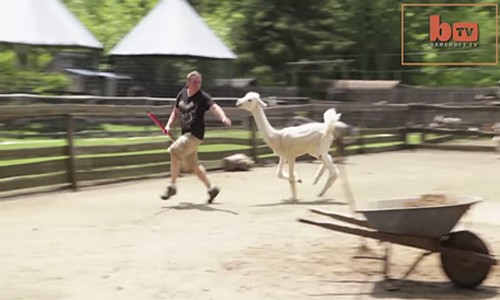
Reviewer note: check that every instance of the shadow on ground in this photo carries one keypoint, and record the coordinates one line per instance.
(195, 206)
(411, 289)
(300, 202)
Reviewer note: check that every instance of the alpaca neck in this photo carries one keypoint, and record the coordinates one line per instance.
(263, 124)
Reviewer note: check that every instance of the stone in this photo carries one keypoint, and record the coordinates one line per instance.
(237, 162)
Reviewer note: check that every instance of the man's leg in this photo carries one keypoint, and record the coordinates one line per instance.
(175, 166)
(175, 169)
(201, 172)
(176, 150)
(198, 169)
(174, 173)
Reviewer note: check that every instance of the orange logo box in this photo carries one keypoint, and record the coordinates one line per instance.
(462, 32)
(441, 31)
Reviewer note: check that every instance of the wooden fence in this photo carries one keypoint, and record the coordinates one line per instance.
(449, 139)
(74, 165)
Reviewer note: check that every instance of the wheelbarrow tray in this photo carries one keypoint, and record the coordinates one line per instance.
(398, 217)
(465, 258)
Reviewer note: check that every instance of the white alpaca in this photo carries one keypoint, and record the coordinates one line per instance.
(314, 139)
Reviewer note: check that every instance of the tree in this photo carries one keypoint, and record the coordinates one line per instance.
(449, 75)
(110, 20)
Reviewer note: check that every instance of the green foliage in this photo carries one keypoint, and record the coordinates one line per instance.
(277, 34)
(267, 34)
(110, 20)
(418, 42)
(33, 79)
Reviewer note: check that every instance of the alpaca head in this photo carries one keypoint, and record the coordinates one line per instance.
(250, 102)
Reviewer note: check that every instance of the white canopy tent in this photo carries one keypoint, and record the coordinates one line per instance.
(42, 23)
(173, 28)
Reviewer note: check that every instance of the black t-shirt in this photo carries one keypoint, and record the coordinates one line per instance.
(192, 117)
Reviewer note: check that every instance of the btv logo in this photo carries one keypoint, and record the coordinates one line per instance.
(462, 32)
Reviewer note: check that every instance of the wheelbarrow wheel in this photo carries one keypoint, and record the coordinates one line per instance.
(463, 272)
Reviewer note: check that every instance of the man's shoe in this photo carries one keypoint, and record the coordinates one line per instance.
(212, 193)
(171, 191)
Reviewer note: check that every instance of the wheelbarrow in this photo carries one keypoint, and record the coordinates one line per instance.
(465, 258)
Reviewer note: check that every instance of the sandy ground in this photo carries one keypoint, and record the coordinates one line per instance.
(122, 242)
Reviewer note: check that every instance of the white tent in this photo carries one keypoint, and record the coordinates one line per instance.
(173, 27)
(42, 23)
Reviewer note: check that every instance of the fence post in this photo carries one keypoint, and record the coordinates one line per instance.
(70, 128)
(253, 138)
(312, 113)
(424, 137)
(360, 142)
(404, 137)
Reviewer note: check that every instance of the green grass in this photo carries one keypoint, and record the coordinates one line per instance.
(117, 141)
(416, 138)
(221, 147)
(232, 133)
(229, 133)
(116, 127)
(8, 144)
(12, 162)
(203, 148)
(413, 138)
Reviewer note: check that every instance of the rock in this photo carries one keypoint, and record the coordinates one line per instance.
(237, 162)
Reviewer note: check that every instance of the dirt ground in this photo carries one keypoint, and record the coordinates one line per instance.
(122, 242)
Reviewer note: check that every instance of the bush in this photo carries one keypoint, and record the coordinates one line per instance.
(14, 79)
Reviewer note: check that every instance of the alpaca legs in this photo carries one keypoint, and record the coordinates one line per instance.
(321, 170)
(291, 164)
(283, 174)
(326, 159)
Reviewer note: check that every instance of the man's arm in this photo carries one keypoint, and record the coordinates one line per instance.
(219, 113)
(173, 117)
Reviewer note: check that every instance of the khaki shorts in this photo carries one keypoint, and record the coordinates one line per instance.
(186, 148)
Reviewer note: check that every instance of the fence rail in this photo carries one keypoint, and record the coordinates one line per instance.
(72, 164)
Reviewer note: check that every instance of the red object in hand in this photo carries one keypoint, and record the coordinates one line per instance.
(157, 122)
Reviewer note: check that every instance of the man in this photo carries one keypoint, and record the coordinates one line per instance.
(190, 106)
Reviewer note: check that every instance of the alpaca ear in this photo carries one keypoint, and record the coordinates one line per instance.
(262, 102)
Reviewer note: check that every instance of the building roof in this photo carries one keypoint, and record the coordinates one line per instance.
(173, 28)
(365, 84)
(42, 23)
(92, 73)
(235, 82)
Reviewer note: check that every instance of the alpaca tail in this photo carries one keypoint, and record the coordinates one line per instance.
(331, 117)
